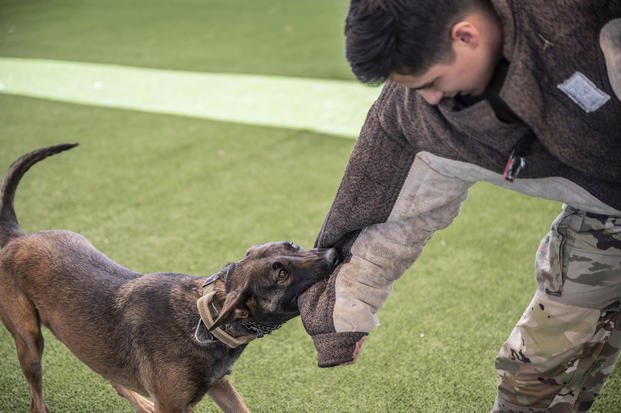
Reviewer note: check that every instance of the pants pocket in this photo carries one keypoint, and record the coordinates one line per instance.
(549, 264)
(592, 264)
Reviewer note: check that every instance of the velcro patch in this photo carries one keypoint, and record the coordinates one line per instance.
(583, 92)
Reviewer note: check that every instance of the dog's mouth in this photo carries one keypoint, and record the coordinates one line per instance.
(329, 261)
(333, 258)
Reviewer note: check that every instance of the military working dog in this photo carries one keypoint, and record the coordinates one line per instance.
(163, 340)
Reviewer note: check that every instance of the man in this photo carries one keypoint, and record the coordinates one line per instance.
(519, 94)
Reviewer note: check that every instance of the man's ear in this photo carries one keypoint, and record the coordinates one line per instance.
(466, 33)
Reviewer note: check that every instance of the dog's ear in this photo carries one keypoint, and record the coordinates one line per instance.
(232, 309)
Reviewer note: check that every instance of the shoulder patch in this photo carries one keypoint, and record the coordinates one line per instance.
(583, 92)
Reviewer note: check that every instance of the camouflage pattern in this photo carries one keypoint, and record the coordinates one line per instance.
(567, 342)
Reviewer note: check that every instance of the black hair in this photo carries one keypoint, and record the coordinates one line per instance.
(402, 36)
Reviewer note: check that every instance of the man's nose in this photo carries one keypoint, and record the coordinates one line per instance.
(433, 97)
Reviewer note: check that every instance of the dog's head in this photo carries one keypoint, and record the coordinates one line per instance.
(264, 286)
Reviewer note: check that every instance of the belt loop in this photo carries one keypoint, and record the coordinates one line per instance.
(611, 222)
(575, 217)
(577, 220)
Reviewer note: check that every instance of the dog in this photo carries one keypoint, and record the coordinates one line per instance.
(162, 340)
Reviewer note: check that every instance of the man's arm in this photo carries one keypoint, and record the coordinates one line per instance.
(389, 203)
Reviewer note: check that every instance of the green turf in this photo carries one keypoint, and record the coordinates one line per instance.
(284, 37)
(166, 193)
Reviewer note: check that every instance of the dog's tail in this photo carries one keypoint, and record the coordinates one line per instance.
(9, 227)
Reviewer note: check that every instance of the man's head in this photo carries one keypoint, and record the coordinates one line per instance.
(439, 47)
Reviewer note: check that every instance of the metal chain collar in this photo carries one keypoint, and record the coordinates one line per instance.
(260, 329)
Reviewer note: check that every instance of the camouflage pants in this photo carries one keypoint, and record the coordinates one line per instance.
(562, 350)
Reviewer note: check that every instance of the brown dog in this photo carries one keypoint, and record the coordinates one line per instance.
(170, 337)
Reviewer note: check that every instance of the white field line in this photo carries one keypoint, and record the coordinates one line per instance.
(324, 106)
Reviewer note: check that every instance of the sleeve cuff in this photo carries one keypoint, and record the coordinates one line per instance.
(334, 349)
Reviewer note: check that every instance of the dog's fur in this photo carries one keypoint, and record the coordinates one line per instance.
(139, 331)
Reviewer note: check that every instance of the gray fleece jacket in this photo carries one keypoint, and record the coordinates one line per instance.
(413, 163)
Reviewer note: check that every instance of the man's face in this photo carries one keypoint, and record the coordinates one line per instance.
(469, 72)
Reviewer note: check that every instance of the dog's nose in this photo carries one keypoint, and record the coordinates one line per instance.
(332, 256)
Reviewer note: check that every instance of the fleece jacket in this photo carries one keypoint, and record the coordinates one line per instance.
(413, 163)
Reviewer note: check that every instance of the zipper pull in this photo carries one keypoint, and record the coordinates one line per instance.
(514, 165)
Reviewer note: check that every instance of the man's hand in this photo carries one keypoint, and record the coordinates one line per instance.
(610, 43)
(316, 309)
(357, 351)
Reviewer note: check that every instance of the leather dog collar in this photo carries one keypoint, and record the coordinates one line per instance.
(205, 307)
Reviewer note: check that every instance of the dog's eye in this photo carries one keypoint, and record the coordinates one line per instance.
(282, 271)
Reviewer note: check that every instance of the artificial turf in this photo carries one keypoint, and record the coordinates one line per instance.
(275, 37)
(166, 193)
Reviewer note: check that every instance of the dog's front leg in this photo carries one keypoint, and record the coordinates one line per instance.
(141, 404)
(225, 396)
